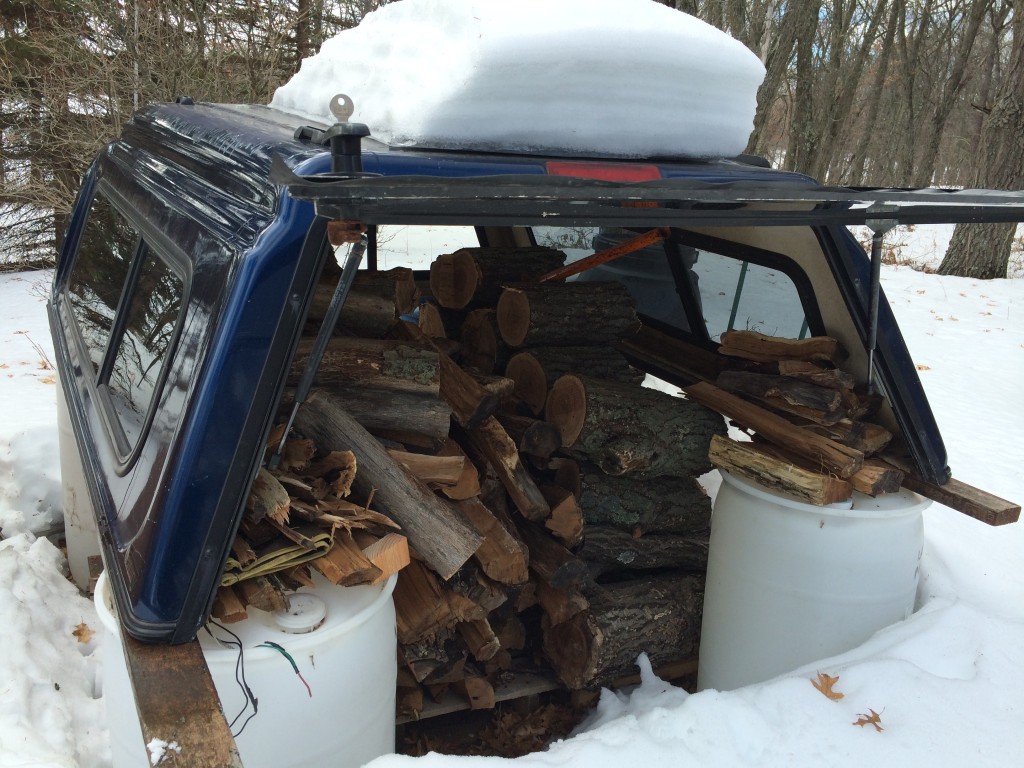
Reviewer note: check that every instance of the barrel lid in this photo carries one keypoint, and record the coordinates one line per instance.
(305, 612)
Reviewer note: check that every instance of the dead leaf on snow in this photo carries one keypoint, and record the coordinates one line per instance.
(923, 367)
(874, 719)
(83, 633)
(824, 684)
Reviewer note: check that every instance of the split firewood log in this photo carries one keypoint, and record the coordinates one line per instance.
(439, 534)
(502, 556)
(751, 345)
(758, 463)
(830, 456)
(491, 442)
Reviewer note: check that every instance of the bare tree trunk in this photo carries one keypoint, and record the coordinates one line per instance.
(950, 92)
(855, 169)
(982, 251)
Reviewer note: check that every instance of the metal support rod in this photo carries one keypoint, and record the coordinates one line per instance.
(736, 296)
(323, 336)
(878, 229)
(876, 279)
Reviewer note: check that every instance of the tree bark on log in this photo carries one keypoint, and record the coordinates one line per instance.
(626, 429)
(655, 505)
(375, 363)
(659, 616)
(571, 314)
(608, 550)
(819, 404)
(375, 301)
(393, 412)
(469, 401)
(475, 276)
(550, 560)
(442, 537)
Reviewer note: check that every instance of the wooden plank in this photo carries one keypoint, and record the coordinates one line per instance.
(177, 702)
(967, 499)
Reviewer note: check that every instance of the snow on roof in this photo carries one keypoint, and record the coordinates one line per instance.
(626, 78)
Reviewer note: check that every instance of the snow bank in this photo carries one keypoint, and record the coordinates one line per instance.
(50, 714)
(31, 496)
(629, 78)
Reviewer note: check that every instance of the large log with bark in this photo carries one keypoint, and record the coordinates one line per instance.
(659, 616)
(536, 369)
(440, 535)
(572, 314)
(640, 506)
(475, 276)
(375, 301)
(626, 429)
(393, 413)
(610, 551)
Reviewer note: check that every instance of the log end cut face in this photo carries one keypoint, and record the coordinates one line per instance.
(513, 316)
(454, 279)
(567, 407)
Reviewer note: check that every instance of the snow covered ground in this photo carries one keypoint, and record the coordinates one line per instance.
(945, 683)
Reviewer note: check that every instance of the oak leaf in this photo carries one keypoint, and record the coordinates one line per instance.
(824, 684)
(874, 719)
(83, 632)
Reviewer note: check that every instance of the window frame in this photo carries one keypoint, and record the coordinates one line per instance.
(742, 252)
(148, 244)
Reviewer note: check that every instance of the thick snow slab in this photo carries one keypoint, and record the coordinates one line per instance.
(627, 78)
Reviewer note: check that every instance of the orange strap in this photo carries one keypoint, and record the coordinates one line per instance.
(609, 254)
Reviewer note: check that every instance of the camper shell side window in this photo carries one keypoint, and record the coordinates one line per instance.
(126, 299)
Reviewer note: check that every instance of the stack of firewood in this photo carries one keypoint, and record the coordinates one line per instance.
(570, 533)
(812, 436)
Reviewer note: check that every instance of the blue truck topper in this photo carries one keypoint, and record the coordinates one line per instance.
(207, 185)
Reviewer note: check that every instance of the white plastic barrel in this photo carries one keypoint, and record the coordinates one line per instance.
(343, 641)
(789, 583)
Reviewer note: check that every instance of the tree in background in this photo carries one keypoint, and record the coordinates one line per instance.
(860, 92)
(983, 250)
(72, 72)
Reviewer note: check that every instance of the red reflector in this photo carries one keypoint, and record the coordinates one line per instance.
(603, 171)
